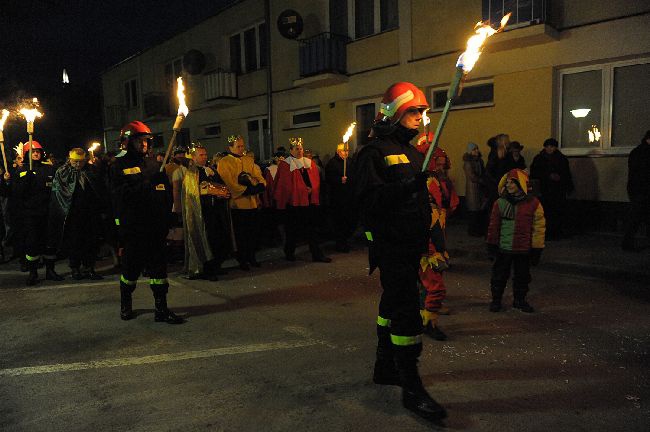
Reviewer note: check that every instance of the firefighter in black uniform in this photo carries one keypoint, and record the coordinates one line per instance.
(141, 198)
(392, 194)
(33, 187)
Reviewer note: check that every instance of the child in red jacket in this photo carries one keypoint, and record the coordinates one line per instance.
(515, 238)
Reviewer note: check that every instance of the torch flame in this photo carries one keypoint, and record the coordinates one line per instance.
(425, 118)
(468, 59)
(348, 133)
(5, 114)
(31, 114)
(182, 108)
(94, 147)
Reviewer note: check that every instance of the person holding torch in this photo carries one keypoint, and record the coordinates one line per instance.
(392, 193)
(142, 206)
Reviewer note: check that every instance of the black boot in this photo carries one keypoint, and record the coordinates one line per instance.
(32, 279)
(522, 305)
(163, 314)
(497, 293)
(126, 301)
(414, 395)
(75, 273)
(385, 372)
(50, 273)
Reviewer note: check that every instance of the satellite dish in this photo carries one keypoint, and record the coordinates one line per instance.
(194, 62)
(290, 24)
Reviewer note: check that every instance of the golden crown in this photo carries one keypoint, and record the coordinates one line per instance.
(233, 138)
(295, 141)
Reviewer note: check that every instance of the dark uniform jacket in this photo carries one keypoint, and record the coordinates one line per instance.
(33, 187)
(396, 217)
(141, 195)
(340, 195)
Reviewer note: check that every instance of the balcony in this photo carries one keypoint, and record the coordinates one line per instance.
(157, 104)
(220, 87)
(527, 26)
(323, 60)
(114, 116)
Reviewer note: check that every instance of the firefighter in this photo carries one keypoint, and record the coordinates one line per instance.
(392, 194)
(33, 187)
(142, 204)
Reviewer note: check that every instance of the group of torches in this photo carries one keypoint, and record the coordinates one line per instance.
(464, 65)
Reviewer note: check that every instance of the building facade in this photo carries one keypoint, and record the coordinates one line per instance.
(576, 70)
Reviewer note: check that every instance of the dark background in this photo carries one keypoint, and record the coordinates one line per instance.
(39, 38)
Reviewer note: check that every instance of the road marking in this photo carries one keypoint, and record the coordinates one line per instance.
(160, 358)
(55, 287)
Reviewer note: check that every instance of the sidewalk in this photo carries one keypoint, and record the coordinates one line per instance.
(596, 255)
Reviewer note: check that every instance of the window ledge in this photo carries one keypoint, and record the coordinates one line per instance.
(596, 152)
(301, 127)
(373, 35)
(321, 80)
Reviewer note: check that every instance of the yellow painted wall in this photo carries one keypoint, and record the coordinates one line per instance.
(373, 52)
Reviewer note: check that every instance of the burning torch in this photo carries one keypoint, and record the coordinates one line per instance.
(31, 115)
(3, 119)
(94, 146)
(182, 113)
(346, 147)
(464, 65)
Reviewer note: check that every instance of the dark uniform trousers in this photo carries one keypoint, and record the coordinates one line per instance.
(501, 269)
(82, 232)
(246, 225)
(35, 235)
(145, 250)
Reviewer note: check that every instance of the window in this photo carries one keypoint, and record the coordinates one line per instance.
(364, 115)
(131, 94)
(259, 141)
(523, 11)
(373, 16)
(305, 118)
(248, 49)
(601, 110)
(212, 130)
(472, 96)
(173, 70)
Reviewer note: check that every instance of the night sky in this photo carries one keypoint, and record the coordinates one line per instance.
(38, 38)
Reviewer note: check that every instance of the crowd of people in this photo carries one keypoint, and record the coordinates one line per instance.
(203, 211)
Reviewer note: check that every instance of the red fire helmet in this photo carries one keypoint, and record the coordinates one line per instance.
(398, 99)
(134, 129)
(36, 145)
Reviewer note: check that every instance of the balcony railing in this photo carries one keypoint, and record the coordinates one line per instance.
(524, 12)
(323, 53)
(219, 85)
(114, 116)
(157, 104)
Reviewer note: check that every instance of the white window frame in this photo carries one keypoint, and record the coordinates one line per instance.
(175, 74)
(242, 46)
(293, 125)
(606, 109)
(205, 126)
(259, 152)
(376, 20)
(432, 91)
(377, 101)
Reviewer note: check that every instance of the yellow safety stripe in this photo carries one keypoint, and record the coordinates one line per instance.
(383, 322)
(33, 258)
(369, 235)
(160, 187)
(117, 222)
(22, 174)
(157, 281)
(130, 171)
(126, 281)
(396, 159)
(405, 340)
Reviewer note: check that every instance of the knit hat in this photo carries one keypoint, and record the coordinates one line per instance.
(471, 146)
(518, 176)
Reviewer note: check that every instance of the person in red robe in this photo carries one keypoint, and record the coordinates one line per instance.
(297, 193)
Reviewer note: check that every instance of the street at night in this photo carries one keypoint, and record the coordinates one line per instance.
(290, 346)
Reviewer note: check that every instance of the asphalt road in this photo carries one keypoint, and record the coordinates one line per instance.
(290, 347)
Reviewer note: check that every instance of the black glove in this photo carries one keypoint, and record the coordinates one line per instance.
(244, 179)
(492, 251)
(250, 190)
(535, 256)
(259, 188)
(418, 183)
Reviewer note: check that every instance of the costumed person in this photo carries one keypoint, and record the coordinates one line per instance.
(178, 160)
(141, 198)
(77, 208)
(297, 192)
(341, 200)
(270, 223)
(443, 201)
(392, 194)
(204, 202)
(175, 171)
(244, 180)
(515, 239)
(33, 188)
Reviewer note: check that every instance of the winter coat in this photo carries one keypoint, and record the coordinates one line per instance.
(33, 187)
(229, 168)
(340, 194)
(476, 193)
(638, 174)
(544, 167)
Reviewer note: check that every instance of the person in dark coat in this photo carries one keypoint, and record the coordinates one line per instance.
(638, 191)
(341, 200)
(33, 186)
(13, 210)
(391, 190)
(141, 198)
(75, 217)
(551, 169)
(476, 190)
(514, 159)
